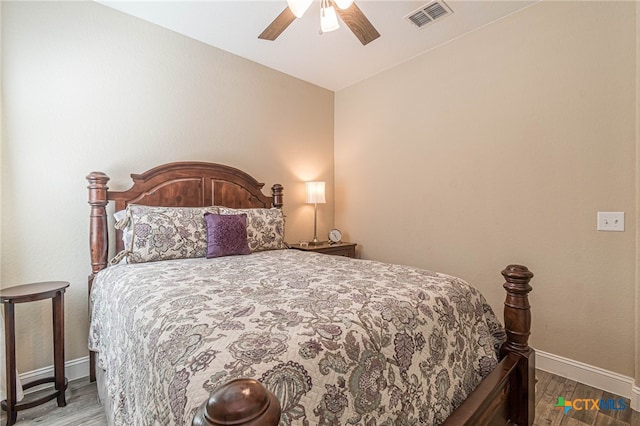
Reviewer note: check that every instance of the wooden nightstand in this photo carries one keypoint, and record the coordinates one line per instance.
(337, 249)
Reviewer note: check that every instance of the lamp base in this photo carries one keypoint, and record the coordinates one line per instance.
(316, 243)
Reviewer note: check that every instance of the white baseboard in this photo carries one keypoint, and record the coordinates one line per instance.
(590, 375)
(635, 398)
(73, 369)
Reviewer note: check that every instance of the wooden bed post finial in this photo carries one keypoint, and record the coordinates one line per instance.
(278, 194)
(98, 237)
(239, 402)
(517, 311)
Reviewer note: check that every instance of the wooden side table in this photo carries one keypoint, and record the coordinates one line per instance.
(338, 249)
(29, 293)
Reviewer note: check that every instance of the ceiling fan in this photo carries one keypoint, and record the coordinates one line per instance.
(348, 11)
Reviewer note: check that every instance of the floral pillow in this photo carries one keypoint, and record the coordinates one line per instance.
(265, 227)
(163, 233)
(226, 235)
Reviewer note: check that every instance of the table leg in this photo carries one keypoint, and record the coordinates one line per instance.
(10, 343)
(92, 366)
(58, 347)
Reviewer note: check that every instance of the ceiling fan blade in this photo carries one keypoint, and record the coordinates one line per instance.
(358, 23)
(278, 25)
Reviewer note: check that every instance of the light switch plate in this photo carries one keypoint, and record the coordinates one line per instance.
(611, 221)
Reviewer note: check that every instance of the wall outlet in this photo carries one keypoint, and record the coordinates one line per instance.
(611, 221)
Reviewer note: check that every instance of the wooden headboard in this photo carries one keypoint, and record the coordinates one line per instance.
(180, 184)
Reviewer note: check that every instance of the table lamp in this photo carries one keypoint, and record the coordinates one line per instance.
(315, 196)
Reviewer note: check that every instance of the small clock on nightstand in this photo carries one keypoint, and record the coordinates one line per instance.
(335, 236)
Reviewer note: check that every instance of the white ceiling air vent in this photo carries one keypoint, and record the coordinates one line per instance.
(429, 13)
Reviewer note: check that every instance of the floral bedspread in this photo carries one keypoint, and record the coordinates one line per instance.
(339, 341)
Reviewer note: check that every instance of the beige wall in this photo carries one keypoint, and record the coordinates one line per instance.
(88, 88)
(498, 148)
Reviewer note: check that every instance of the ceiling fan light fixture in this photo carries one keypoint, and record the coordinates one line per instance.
(299, 7)
(343, 4)
(328, 17)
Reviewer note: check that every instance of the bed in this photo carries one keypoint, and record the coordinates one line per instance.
(282, 336)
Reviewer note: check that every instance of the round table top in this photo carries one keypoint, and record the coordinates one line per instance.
(32, 292)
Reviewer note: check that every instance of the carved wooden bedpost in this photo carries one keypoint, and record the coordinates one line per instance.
(98, 240)
(517, 323)
(240, 402)
(277, 191)
(98, 237)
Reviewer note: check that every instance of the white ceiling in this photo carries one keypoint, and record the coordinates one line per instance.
(333, 60)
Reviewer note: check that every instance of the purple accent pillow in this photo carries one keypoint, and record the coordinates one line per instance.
(226, 235)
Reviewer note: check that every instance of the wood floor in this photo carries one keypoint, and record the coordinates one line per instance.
(550, 387)
(83, 408)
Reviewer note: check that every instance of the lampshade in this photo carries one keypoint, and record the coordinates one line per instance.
(328, 18)
(315, 192)
(343, 4)
(299, 7)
